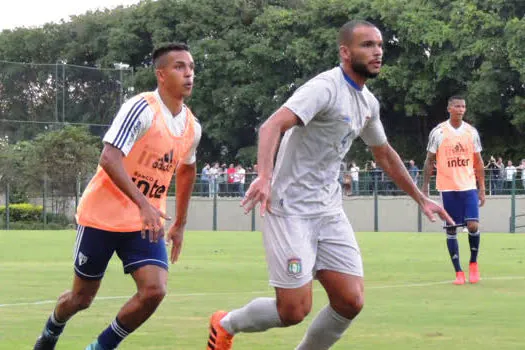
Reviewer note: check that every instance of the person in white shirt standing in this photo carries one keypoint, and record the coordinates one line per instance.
(241, 174)
(306, 232)
(354, 173)
(510, 173)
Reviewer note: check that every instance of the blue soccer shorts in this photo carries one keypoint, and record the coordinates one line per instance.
(94, 248)
(462, 206)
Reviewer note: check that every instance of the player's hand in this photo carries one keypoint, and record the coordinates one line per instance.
(258, 192)
(175, 237)
(151, 222)
(430, 208)
(481, 195)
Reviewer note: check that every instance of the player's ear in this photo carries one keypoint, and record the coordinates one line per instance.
(344, 52)
(159, 73)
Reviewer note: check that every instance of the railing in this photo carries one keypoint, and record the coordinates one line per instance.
(58, 203)
(367, 183)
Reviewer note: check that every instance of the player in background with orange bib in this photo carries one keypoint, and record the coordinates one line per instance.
(122, 210)
(455, 146)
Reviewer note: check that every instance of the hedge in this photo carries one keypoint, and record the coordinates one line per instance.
(23, 212)
(29, 216)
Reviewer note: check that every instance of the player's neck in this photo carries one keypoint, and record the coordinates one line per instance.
(174, 104)
(358, 79)
(455, 123)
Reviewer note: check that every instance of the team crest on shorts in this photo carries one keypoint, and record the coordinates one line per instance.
(295, 267)
(82, 259)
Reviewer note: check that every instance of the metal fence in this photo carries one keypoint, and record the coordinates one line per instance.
(35, 96)
(58, 204)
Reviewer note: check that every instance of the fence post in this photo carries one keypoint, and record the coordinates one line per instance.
(215, 208)
(376, 206)
(7, 206)
(63, 92)
(419, 219)
(44, 195)
(253, 219)
(77, 191)
(513, 206)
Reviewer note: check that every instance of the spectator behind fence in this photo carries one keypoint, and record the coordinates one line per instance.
(376, 176)
(494, 175)
(213, 175)
(240, 176)
(510, 173)
(204, 181)
(354, 174)
(501, 178)
(521, 167)
(231, 180)
(413, 170)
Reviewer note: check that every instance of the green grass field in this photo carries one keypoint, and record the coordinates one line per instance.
(410, 300)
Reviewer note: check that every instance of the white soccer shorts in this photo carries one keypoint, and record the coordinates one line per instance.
(298, 247)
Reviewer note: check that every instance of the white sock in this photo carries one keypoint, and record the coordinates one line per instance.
(327, 327)
(257, 316)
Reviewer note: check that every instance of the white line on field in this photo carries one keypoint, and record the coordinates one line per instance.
(405, 285)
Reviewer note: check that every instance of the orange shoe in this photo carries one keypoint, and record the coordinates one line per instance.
(219, 338)
(473, 275)
(460, 278)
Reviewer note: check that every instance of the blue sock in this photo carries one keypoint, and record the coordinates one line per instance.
(453, 249)
(53, 327)
(473, 240)
(111, 337)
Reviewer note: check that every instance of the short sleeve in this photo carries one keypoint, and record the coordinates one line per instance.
(373, 134)
(434, 139)
(313, 97)
(132, 121)
(192, 156)
(477, 141)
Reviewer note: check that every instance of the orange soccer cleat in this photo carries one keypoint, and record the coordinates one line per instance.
(460, 278)
(473, 275)
(219, 338)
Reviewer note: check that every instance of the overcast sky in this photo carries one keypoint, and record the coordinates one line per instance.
(33, 13)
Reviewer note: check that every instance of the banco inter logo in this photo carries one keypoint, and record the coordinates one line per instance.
(457, 162)
(148, 186)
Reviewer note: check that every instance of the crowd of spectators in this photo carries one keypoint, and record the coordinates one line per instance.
(232, 180)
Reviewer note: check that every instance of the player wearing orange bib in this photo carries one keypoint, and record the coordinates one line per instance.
(455, 146)
(153, 137)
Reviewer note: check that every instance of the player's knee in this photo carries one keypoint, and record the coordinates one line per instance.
(350, 305)
(472, 226)
(152, 295)
(293, 313)
(451, 233)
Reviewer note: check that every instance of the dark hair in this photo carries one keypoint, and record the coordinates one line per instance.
(166, 48)
(455, 98)
(347, 30)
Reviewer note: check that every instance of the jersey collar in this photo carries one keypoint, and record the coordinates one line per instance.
(350, 81)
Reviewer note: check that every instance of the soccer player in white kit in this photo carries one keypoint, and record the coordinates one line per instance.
(306, 232)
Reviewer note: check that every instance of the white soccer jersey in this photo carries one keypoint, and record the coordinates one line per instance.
(334, 112)
(135, 118)
(436, 136)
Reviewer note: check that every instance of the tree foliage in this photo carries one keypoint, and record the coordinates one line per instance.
(60, 157)
(252, 54)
